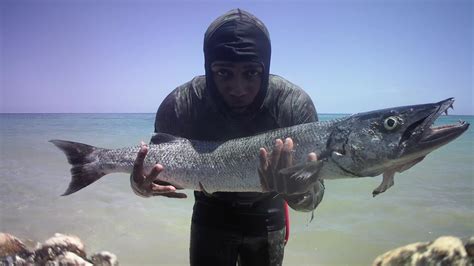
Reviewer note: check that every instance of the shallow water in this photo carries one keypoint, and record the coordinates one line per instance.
(350, 227)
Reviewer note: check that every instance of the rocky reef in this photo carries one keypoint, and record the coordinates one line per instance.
(56, 251)
(69, 250)
(446, 250)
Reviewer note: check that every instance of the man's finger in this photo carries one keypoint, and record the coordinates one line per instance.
(284, 162)
(138, 164)
(141, 156)
(167, 191)
(276, 152)
(263, 155)
(162, 189)
(286, 156)
(273, 171)
(155, 171)
(157, 181)
(312, 157)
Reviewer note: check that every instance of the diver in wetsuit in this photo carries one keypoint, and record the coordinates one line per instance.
(237, 97)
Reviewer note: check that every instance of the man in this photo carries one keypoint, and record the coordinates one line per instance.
(237, 97)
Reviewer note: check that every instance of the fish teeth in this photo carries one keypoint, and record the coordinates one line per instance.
(450, 106)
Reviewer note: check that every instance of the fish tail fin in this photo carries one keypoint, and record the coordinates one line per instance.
(82, 157)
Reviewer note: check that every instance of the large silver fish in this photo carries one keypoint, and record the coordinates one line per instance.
(366, 144)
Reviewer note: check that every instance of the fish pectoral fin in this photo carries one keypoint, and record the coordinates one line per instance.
(388, 175)
(300, 176)
(387, 182)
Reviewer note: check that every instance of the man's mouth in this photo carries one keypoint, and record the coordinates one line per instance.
(238, 105)
(238, 102)
(239, 109)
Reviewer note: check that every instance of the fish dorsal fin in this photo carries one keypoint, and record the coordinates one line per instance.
(159, 138)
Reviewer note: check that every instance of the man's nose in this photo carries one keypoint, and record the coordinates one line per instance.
(238, 88)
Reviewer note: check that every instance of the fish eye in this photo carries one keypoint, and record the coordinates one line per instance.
(391, 122)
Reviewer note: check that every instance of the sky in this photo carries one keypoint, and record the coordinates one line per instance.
(109, 56)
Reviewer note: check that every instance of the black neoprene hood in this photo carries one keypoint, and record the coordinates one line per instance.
(238, 36)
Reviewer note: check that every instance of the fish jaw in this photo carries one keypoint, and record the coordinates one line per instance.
(423, 137)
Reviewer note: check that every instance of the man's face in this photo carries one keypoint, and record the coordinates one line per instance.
(237, 82)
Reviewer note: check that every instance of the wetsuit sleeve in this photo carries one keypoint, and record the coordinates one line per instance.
(303, 111)
(165, 115)
(172, 115)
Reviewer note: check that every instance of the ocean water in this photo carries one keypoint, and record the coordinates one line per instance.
(432, 199)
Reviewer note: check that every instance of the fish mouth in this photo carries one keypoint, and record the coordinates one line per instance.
(428, 137)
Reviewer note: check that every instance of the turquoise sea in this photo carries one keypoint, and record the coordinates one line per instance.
(434, 198)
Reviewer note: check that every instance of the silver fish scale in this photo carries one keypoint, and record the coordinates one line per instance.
(227, 166)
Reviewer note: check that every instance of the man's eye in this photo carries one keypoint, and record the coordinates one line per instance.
(253, 73)
(222, 73)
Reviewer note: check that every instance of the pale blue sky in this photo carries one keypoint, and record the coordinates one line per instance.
(126, 56)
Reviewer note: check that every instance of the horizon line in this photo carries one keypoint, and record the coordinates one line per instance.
(72, 113)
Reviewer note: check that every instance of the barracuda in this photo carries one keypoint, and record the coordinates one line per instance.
(361, 145)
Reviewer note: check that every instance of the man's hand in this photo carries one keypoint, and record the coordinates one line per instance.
(147, 185)
(278, 174)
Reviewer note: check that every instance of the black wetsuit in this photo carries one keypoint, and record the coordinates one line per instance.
(230, 225)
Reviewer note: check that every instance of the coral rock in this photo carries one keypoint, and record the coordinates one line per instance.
(10, 245)
(469, 246)
(57, 245)
(68, 259)
(443, 251)
(104, 258)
